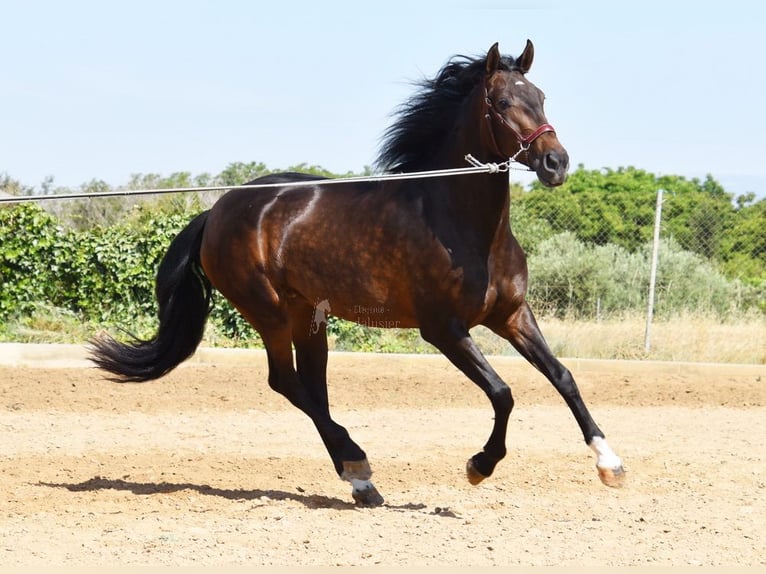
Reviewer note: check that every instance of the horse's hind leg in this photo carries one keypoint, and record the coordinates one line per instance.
(523, 333)
(278, 323)
(311, 360)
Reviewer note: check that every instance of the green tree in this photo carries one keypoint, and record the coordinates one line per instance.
(744, 246)
(12, 186)
(617, 207)
(238, 173)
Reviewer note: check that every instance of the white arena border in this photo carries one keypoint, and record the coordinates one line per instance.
(75, 356)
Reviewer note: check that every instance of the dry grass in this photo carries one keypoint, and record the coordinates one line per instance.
(685, 338)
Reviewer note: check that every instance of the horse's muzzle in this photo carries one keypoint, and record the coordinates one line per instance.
(552, 167)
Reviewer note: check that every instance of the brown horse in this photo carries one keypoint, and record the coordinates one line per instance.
(434, 254)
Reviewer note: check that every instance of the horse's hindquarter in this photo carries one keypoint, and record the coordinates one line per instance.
(235, 247)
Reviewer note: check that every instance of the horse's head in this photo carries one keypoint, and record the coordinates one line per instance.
(516, 121)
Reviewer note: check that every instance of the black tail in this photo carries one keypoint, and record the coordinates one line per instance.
(184, 298)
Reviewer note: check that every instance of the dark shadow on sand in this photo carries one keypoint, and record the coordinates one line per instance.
(148, 488)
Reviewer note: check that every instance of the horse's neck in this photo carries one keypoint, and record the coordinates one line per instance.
(482, 200)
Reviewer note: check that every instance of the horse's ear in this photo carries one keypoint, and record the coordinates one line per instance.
(524, 62)
(493, 59)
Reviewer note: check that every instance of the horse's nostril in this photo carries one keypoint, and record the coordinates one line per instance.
(555, 162)
(551, 161)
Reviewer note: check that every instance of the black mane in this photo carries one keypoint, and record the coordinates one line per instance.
(424, 121)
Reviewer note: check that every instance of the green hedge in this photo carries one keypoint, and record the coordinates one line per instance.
(103, 275)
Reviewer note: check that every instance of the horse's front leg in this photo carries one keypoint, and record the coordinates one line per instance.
(522, 331)
(453, 340)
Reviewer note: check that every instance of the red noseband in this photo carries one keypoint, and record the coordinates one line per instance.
(526, 141)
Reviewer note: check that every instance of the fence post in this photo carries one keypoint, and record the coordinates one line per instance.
(653, 272)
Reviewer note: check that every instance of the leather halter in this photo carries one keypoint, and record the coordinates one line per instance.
(524, 141)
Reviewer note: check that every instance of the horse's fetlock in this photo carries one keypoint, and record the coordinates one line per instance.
(356, 470)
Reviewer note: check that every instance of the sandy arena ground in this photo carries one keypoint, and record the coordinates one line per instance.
(208, 466)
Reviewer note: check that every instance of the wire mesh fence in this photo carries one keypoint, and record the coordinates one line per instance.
(606, 272)
(704, 266)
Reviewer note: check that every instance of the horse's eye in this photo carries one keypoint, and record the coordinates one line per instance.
(503, 104)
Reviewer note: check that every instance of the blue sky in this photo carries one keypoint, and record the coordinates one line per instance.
(102, 90)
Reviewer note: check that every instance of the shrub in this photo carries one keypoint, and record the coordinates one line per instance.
(570, 278)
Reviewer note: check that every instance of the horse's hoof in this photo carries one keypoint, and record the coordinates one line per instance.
(367, 496)
(474, 476)
(613, 477)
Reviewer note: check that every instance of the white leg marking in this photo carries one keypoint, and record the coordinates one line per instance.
(606, 456)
